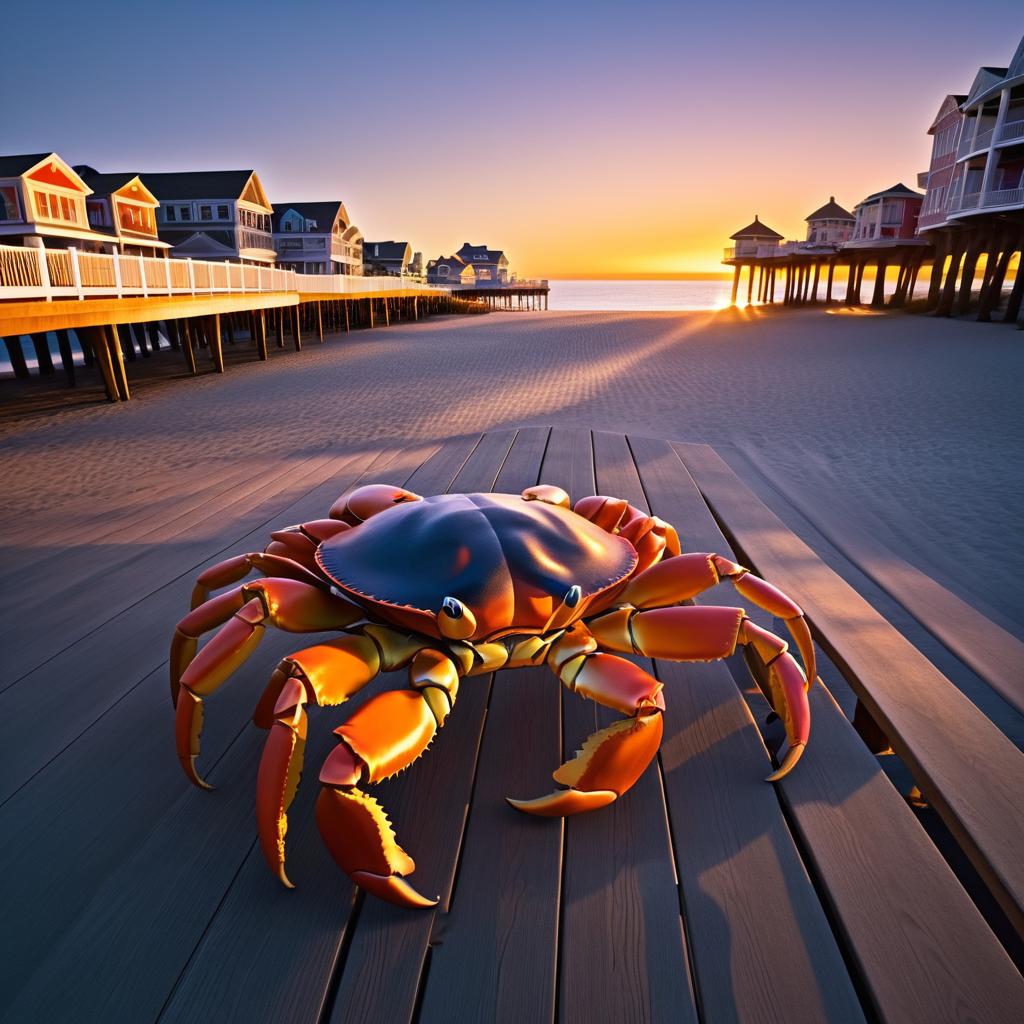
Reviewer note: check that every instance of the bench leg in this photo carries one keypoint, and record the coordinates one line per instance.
(867, 728)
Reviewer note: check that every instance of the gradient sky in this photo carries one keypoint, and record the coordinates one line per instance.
(585, 138)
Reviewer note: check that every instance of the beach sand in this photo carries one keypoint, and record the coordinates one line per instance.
(908, 429)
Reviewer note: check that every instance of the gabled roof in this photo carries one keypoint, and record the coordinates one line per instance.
(479, 254)
(952, 102)
(107, 184)
(899, 191)
(451, 261)
(984, 81)
(325, 214)
(15, 166)
(830, 211)
(389, 250)
(198, 184)
(755, 229)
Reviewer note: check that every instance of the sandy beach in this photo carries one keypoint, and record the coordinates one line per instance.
(909, 429)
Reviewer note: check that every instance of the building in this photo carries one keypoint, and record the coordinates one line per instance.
(885, 218)
(43, 205)
(989, 172)
(754, 237)
(452, 271)
(317, 238)
(387, 258)
(214, 215)
(829, 225)
(936, 181)
(490, 266)
(121, 206)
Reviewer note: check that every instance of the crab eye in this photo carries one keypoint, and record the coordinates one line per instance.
(452, 608)
(455, 620)
(572, 597)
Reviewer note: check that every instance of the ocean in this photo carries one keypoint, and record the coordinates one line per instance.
(705, 293)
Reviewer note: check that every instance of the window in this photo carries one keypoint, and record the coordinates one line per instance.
(287, 225)
(222, 213)
(206, 213)
(170, 214)
(9, 208)
(42, 207)
(184, 213)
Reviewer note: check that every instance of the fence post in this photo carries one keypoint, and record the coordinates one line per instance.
(117, 273)
(76, 274)
(167, 273)
(259, 277)
(191, 275)
(227, 271)
(44, 274)
(142, 276)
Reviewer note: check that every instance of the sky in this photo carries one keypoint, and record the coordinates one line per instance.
(586, 139)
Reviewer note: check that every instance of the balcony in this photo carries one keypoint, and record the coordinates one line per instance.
(969, 144)
(1012, 198)
(1011, 130)
(250, 238)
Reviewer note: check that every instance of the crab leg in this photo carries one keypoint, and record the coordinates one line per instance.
(326, 674)
(707, 633)
(231, 570)
(612, 759)
(242, 615)
(299, 543)
(678, 579)
(384, 736)
(652, 537)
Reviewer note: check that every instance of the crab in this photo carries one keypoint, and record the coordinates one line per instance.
(451, 587)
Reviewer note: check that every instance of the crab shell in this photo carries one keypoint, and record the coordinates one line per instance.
(512, 563)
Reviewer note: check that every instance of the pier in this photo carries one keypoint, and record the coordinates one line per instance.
(119, 306)
(531, 295)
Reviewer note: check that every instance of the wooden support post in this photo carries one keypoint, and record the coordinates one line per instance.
(735, 283)
(216, 351)
(279, 325)
(41, 343)
(878, 295)
(1013, 303)
(187, 345)
(260, 319)
(963, 302)
(296, 331)
(67, 359)
(320, 322)
(171, 330)
(750, 282)
(17, 356)
(96, 339)
(942, 250)
(370, 301)
(229, 327)
(117, 362)
(345, 304)
(387, 314)
(948, 293)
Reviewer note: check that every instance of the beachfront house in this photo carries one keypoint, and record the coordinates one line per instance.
(43, 205)
(122, 207)
(317, 238)
(389, 257)
(829, 225)
(756, 239)
(451, 271)
(937, 180)
(888, 217)
(214, 215)
(989, 172)
(490, 266)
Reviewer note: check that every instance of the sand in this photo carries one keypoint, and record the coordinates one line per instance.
(909, 429)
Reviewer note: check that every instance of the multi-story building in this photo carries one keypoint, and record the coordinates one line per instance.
(121, 206)
(317, 238)
(989, 173)
(829, 225)
(885, 218)
(451, 270)
(214, 215)
(43, 204)
(390, 257)
(936, 181)
(489, 265)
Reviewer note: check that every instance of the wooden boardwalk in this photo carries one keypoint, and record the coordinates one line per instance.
(705, 894)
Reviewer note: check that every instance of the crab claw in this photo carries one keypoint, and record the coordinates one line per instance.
(359, 837)
(609, 763)
(788, 692)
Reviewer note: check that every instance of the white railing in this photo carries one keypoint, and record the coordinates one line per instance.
(30, 273)
(1003, 197)
(1011, 130)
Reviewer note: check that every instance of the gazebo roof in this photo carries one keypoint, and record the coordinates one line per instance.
(756, 230)
(830, 211)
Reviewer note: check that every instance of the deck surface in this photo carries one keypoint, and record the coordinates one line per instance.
(705, 894)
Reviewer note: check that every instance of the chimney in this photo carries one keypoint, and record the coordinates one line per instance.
(831, 199)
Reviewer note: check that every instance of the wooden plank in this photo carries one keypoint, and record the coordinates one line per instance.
(383, 970)
(621, 902)
(494, 952)
(909, 926)
(119, 938)
(736, 858)
(269, 955)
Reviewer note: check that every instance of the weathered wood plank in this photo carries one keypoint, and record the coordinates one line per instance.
(736, 857)
(918, 941)
(269, 955)
(104, 795)
(384, 967)
(621, 911)
(494, 952)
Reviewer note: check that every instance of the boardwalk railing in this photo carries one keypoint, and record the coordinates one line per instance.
(31, 273)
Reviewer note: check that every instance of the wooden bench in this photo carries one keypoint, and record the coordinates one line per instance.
(704, 895)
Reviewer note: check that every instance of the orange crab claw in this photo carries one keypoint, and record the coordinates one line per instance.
(358, 505)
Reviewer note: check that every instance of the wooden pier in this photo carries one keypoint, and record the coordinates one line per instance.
(510, 297)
